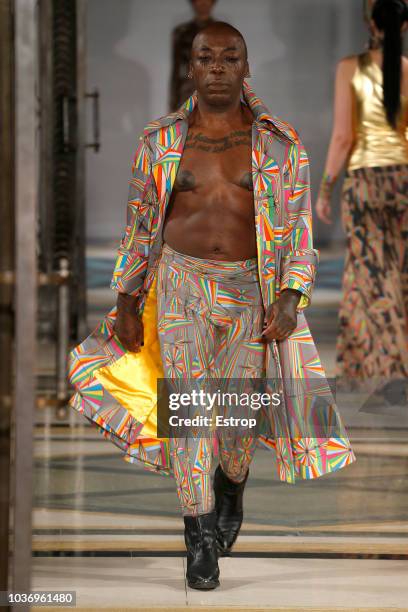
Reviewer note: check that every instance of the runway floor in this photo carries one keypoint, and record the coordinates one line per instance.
(113, 532)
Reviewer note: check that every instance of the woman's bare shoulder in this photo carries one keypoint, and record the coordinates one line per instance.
(350, 60)
(347, 66)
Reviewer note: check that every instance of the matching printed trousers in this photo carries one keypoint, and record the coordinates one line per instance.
(210, 319)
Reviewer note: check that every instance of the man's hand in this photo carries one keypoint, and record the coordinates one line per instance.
(280, 317)
(128, 325)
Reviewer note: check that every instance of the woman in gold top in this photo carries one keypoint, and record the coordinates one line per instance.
(370, 138)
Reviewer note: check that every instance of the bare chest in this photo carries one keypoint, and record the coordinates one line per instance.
(209, 161)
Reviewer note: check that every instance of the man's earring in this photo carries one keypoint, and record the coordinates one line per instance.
(190, 75)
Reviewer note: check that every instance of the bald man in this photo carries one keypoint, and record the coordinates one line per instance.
(215, 267)
(209, 232)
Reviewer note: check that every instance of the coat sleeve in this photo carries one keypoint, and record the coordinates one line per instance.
(299, 269)
(133, 252)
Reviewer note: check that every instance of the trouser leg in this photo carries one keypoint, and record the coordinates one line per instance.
(236, 454)
(240, 361)
(241, 356)
(210, 318)
(192, 461)
(187, 347)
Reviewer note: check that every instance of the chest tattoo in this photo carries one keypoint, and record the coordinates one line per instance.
(218, 145)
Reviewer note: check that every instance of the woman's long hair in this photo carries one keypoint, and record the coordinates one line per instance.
(389, 16)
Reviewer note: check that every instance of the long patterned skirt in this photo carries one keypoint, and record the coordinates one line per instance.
(373, 338)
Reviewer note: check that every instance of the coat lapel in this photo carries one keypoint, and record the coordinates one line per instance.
(270, 140)
(168, 145)
(265, 171)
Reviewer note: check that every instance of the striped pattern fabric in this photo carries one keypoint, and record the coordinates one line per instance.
(281, 188)
(210, 318)
(309, 440)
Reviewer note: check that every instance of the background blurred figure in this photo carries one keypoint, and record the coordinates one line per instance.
(181, 87)
(369, 135)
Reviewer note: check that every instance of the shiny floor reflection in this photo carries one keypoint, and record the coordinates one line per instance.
(258, 584)
(114, 532)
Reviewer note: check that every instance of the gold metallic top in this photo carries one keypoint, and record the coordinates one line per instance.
(377, 143)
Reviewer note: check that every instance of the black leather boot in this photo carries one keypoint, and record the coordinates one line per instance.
(202, 558)
(229, 509)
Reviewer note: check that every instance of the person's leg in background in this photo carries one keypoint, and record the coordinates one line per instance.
(393, 185)
(372, 342)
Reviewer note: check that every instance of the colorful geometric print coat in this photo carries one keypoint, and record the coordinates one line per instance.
(116, 390)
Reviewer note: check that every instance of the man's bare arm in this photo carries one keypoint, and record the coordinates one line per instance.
(128, 325)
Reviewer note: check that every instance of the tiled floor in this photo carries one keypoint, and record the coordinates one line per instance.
(113, 532)
(78, 470)
(246, 583)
